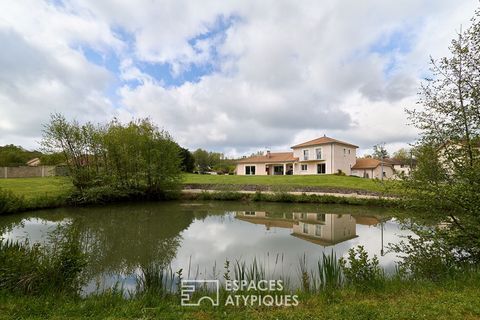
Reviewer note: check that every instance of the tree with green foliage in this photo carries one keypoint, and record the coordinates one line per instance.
(403, 155)
(206, 161)
(379, 151)
(188, 160)
(446, 181)
(134, 158)
(13, 156)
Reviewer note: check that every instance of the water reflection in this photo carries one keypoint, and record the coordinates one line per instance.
(319, 228)
(199, 237)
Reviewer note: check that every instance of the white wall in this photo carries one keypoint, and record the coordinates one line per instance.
(333, 156)
(259, 169)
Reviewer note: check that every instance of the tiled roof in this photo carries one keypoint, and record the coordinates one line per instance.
(272, 157)
(323, 140)
(368, 163)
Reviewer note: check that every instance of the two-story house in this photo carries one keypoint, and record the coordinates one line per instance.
(319, 156)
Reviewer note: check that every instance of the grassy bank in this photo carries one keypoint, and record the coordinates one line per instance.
(32, 187)
(50, 192)
(317, 181)
(453, 299)
(288, 198)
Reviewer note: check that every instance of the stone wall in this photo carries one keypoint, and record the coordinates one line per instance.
(27, 172)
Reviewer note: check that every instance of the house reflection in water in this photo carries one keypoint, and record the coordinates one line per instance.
(320, 228)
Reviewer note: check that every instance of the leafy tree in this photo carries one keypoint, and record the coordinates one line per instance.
(202, 161)
(403, 155)
(379, 151)
(51, 159)
(188, 161)
(206, 161)
(225, 166)
(12, 156)
(133, 157)
(446, 182)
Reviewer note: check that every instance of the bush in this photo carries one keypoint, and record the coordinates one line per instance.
(9, 202)
(426, 257)
(360, 271)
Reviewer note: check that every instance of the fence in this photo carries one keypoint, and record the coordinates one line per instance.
(31, 172)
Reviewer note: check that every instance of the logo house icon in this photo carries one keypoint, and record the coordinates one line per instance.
(189, 287)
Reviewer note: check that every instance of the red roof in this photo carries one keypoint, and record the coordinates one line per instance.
(323, 140)
(368, 163)
(270, 157)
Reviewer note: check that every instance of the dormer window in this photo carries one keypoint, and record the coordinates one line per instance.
(305, 154)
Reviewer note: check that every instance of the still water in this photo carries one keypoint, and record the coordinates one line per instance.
(199, 237)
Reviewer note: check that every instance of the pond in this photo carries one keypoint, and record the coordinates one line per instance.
(198, 237)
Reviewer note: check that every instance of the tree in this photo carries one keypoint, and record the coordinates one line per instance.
(202, 161)
(188, 160)
(446, 181)
(379, 151)
(12, 156)
(133, 158)
(403, 155)
(206, 161)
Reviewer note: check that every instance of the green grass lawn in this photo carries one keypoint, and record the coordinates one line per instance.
(32, 188)
(54, 186)
(325, 181)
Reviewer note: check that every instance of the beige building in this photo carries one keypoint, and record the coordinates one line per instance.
(372, 169)
(319, 156)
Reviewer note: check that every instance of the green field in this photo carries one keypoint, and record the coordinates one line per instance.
(32, 188)
(322, 181)
(54, 186)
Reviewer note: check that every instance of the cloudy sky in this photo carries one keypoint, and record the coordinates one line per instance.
(229, 76)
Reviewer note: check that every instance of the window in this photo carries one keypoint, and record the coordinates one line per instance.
(348, 151)
(344, 151)
(250, 170)
(318, 151)
(320, 216)
(305, 154)
(305, 228)
(318, 230)
(250, 213)
(321, 168)
(304, 167)
(278, 170)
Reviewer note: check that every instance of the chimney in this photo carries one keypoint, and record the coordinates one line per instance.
(268, 153)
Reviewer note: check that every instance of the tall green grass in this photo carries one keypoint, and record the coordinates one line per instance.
(31, 269)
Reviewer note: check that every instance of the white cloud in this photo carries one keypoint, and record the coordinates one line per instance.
(282, 70)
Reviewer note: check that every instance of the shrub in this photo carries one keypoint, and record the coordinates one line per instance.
(9, 202)
(359, 270)
(426, 257)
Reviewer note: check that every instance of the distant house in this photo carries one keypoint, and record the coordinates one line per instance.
(372, 168)
(401, 167)
(319, 156)
(35, 162)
